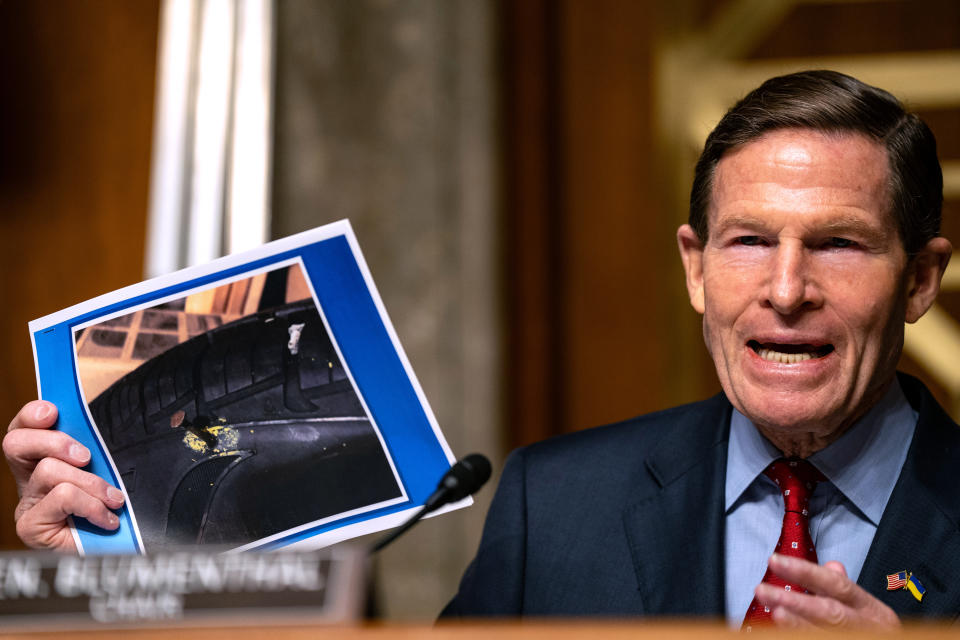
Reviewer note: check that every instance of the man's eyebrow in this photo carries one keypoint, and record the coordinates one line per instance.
(851, 225)
(836, 226)
(744, 221)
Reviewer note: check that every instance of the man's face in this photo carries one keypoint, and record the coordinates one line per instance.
(804, 284)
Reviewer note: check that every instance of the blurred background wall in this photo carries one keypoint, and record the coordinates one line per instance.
(515, 171)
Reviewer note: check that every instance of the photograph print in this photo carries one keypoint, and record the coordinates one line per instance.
(229, 415)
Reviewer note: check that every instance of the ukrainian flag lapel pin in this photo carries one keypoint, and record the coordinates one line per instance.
(906, 580)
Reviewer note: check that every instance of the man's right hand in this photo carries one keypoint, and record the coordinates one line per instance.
(46, 466)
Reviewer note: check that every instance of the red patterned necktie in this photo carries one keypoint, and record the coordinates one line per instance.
(797, 480)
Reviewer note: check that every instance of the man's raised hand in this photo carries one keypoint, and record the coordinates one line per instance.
(46, 465)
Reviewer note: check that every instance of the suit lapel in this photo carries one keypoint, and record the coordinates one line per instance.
(675, 531)
(918, 531)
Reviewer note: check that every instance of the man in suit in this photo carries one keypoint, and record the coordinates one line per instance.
(812, 239)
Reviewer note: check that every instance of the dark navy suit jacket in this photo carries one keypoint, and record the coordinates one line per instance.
(627, 520)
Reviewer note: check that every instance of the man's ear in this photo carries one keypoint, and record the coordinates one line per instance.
(925, 271)
(691, 252)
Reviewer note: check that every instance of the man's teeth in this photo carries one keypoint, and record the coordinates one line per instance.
(784, 358)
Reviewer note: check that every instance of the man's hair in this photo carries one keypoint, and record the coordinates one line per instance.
(832, 102)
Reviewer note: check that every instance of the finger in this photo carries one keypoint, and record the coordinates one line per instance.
(45, 526)
(820, 580)
(38, 414)
(838, 567)
(784, 617)
(58, 538)
(51, 472)
(795, 606)
(25, 447)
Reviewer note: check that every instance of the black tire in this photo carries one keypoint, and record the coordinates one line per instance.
(241, 433)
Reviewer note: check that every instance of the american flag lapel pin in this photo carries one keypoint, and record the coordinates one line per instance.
(906, 580)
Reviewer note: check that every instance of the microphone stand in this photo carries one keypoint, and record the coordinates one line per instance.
(399, 531)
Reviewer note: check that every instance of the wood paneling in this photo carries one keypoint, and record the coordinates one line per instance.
(76, 105)
(864, 28)
(620, 260)
(531, 209)
(591, 251)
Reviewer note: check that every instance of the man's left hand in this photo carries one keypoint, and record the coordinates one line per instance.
(834, 600)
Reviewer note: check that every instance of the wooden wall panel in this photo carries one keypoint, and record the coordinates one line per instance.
(530, 207)
(76, 104)
(590, 247)
(620, 259)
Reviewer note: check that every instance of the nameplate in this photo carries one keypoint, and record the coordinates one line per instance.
(48, 591)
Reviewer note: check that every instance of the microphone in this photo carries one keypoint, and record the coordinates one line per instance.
(462, 479)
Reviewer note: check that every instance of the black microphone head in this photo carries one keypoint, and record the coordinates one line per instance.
(465, 477)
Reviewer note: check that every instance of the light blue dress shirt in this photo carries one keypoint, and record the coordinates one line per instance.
(862, 467)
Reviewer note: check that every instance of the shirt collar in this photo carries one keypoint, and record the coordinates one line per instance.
(863, 464)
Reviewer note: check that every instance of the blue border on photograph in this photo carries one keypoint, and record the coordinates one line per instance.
(367, 348)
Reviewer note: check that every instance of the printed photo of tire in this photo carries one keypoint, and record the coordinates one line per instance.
(241, 432)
